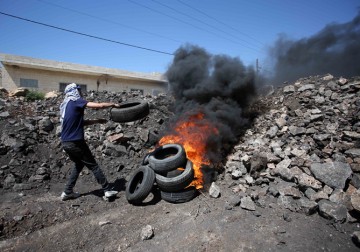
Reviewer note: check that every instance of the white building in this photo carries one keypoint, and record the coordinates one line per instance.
(47, 75)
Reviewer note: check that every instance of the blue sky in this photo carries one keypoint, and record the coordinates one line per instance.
(238, 28)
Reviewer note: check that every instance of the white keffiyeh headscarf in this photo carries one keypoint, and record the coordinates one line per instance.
(71, 94)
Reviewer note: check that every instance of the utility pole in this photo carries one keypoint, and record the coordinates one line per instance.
(258, 68)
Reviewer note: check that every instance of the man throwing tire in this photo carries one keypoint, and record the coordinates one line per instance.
(73, 141)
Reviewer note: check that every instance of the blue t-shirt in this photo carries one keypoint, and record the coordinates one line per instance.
(73, 123)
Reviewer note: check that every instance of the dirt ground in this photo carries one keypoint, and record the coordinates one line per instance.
(37, 220)
(45, 223)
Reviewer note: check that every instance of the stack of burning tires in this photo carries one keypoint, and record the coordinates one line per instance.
(168, 168)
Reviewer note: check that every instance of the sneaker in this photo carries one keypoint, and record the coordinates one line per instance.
(109, 194)
(72, 195)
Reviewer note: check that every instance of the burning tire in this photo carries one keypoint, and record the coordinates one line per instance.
(167, 158)
(178, 182)
(140, 184)
(129, 111)
(182, 196)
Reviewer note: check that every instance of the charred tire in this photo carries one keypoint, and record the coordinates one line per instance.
(182, 196)
(130, 111)
(140, 184)
(167, 158)
(176, 183)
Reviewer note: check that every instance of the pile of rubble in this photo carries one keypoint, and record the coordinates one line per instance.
(304, 152)
(30, 152)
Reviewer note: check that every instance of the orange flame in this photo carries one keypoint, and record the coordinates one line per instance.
(193, 134)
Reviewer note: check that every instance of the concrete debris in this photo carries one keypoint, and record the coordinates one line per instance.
(301, 152)
(214, 190)
(147, 232)
(311, 136)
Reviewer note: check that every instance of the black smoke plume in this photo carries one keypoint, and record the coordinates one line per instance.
(218, 86)
(335, 50)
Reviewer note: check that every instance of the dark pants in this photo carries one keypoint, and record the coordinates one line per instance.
(81, 155)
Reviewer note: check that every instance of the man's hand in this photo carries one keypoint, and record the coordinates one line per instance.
(116, 105)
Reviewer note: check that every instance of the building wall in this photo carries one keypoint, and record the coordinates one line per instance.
(50, 81)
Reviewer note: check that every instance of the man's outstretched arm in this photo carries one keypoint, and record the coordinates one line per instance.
(101, 105)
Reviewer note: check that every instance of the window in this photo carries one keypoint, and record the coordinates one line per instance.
(141, 91)
(29, 83)
(62, 86)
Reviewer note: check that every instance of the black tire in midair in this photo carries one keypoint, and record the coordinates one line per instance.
(130, 111)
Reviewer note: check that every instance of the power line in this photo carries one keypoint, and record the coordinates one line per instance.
(197, 27)
(200, 21)
(84, 34)
(107, 20)
(219, 21)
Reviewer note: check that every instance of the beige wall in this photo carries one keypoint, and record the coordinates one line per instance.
(49, 80)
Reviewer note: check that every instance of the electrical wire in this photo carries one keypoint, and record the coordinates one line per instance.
(217, 20)
(192, 25)
(84, 34)
(200, 21)
(107, 20)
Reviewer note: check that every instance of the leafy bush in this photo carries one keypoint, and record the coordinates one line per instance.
(34, 95)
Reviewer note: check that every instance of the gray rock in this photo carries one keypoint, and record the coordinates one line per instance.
(333, 174)
(147, 232)
(38, 178)
(298, 152)
(233, 202)
(280, 122)
(355, 180)
(9, 181)
(46, 124)
(236, 174)
(355, 200)
(288, 202)
(103, 223)
(296, 131)
(316, 117)
(307, 206)
(273, 191)
(22, 187)
(114, 150)
(284, 164)
(352, 134)
(307, 181)
(306, 87)
(321, 137)
(319, 99)
(214, 190)
(319, 196)
(340, 197)
(331, 210)
(289, 89)
(4, 114)
(247, 203)
(271, 133)
(290, 191)
(284, 173)
(354, 153)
